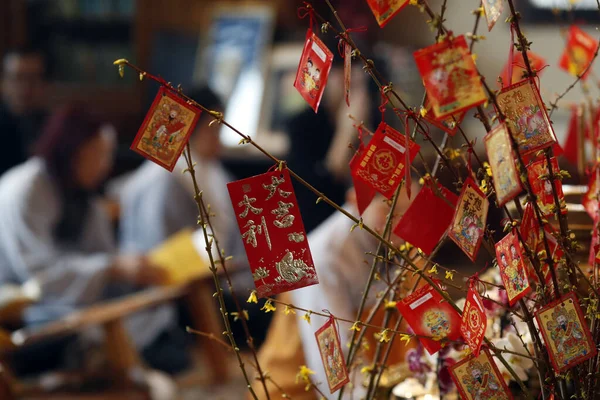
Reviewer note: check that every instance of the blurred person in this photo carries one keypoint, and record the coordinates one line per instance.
(21, 110)
(55, 233)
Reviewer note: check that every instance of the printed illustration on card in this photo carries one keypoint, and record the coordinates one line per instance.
(474, 320)
(578, 53)
(526, 116)
(542, 188)
(507, 183)
(313, 70)
(328, 339)
(382, 165)
(470, 219)
(532, 235)
(479, 378)
(493, 11)
(512, 267)
(385, 10)
(450, 77)
(166, 129)
(429, 315)
(566, 334)
(273, 233)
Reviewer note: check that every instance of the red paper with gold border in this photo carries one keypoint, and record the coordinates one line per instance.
(530, 232)
(313, 70)
(428, 314)
(328, 340)
(543, 188)
(382, 164)
(493, 11)
(450, 77)
(449, 125)
(512, 267)
(526, 116)
(274, 237)
(427, 218)
(364, 192)
(166, 129)
(578, 53)
(519, 69)
(590, 198)
(385, 10)
(566, 333)
(479, 378)
(507, 183)
(470, 219)
(474, 320)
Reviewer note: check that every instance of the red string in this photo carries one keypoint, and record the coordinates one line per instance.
(307, 10)
(384, 102)
(344, 38)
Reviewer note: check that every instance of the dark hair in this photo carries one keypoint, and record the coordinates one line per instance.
(206, 97)
(24, 52)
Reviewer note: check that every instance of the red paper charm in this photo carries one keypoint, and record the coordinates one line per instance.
(429, 315)
(493, 10)
(313, 70)
(519, 69)
(328, 339)
(449, 124)
(364, 192)
(566, 334)
(427, 218)
(470, 219)
(572, 141)
(590, 199)
(385, 10)
(274, 236)
(450, 77)
(579, 52)
(542, 187)
(382, 164)
(512, 268)
(507, 183)
(474, 320)
(479, 378)
(166, 129)
(526, 116)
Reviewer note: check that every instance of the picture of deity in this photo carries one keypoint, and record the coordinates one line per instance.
(331, 355)
(437, 323)
(470, 219)
(512, 268)
(507, 183)
(477, 378)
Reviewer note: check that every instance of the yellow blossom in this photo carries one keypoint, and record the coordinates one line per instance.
(405, 338)
(305, 374)
(433, 270)
(268, 307)
(414, 2)
(384, 336)
(423, 112)
(288, 310)
(488, 169)
(390, 305)
(355, 327)
(306, 317)
(449, 275)
(252, 298)
(474, 56)
(366, 370)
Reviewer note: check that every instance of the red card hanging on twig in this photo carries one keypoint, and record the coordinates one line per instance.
(590, 198)
(542, 188)
(536, 62)
(166, 129)
(512, 268)
(449, 124)
(365, 193)
(385, 10)
(474, 320)
(427, 218)
(578, 53)
(328, 339)
(566, 333)
(382, 164)
(470, 219)
(533, 237)
(450, 77)
(274, 237)
(493, 11)
(479, 378)
(571, 143)
(428, 314)
(507, 183)
(313, 70)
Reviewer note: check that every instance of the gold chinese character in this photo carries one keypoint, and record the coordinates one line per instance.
(283, 219)
(247, 202)
(253, 230)
(273, 186)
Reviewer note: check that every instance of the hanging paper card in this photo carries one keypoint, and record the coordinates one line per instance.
(526, 116)
(571, 143)
(590, 198)
(493, 10)
(594, 246)
(166, 129)
(328, 339)
(364, 192)
(428, 314)
(542, 187)
(512, 268)
(518, 68)
(385, 10)
(427, 218)
(566, 333)
(449, 124)
(578, 53)
(450, 77)
(479, 378)
(347, 71)
(313, 70)
(382, 164)
(530, 232)
(474, 320)
(469, 220)
(507, 183)
(273, 233)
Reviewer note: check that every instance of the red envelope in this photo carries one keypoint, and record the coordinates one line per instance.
(274, 237)
(328, 339)
(365, 193)
(449, 125)
(543, 188)
(313, 70)
(385, 10)
(536, 62)
(428, 314)
(382, 163)
(512, 268)
(478, 377)
(493, 10)
(427, 218)
(590, 199)
(578, 53)
(571, 146)
(474, 321)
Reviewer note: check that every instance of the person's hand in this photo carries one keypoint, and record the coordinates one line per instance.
(137, 270)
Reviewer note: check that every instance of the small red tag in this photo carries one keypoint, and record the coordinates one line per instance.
(542, 187)
(478, 377)
(512, 268)
(519, 69)
(427, 218)
(493, 11)
(590, 198)
(474, 321)
(365, 193)
(328, 339)
(571, 143)
(382, 163)
(347, 71)
(450, 77)
(507, 183)
(274, 237)
(313, 70)
(578, 53)
(385, 10)
(428, 314)
(166, 129)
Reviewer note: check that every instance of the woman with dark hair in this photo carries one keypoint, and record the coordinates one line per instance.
(54, 231)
